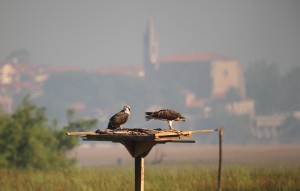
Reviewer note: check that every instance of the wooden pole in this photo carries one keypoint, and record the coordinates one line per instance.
(220, 158)
(139, 173)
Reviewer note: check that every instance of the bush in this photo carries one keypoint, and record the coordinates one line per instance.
(28, 141)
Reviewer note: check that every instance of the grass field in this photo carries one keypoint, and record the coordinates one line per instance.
(184, 168)
(167, 177)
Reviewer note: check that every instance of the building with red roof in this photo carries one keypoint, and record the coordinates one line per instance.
(204, 77)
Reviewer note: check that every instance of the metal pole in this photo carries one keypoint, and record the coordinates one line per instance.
(220, 158)
(139, 173)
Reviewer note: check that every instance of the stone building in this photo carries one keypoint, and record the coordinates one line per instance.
(203, 77)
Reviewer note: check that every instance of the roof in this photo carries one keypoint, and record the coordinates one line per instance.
(127, 70)
(53, 69)
(192, 57)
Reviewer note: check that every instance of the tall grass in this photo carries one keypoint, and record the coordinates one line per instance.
(166, 177)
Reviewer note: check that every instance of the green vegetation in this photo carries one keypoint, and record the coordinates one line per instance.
(182, 177)
(27, 141)
(273, 91)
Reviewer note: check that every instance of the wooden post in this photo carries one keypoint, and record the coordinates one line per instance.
(139, 173)
(220, 158)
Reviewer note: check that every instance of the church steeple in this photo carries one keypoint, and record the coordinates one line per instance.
(150, 48)
(153, 44)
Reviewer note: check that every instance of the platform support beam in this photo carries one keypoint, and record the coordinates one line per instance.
(139, 173)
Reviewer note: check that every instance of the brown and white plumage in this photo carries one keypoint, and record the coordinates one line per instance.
(165, 115)
(120, 118)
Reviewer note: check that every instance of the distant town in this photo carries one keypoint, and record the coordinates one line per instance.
(209, 88)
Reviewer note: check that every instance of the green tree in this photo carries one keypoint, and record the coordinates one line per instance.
(289, 131)
(291, 90)
(271, 91)
(78, 124)
(263, 84)
(27, 140)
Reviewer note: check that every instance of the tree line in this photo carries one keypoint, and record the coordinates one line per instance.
(273, 91)
(29, 141)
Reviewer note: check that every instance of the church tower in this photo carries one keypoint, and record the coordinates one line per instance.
(151, 66)
(150, 50)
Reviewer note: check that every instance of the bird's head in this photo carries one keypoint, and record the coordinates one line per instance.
(126, 109)
(182, 118)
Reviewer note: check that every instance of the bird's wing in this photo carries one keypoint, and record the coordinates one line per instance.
(168, 114)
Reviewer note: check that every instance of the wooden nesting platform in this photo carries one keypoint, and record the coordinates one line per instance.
(139, 141)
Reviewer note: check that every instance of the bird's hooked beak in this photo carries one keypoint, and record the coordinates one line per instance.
(183, 119)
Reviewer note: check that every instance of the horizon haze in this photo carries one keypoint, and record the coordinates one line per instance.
(98, 33)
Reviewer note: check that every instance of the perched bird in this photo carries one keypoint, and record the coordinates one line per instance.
(165, 115)
(117, 120)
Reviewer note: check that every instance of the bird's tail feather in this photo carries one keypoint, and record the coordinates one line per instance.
(110, 126)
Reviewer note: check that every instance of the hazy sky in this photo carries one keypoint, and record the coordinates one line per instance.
(94, 32)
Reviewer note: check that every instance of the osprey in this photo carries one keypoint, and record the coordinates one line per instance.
(117, 120)
(165, 115)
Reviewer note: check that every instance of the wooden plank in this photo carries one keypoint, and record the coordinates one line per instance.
(175, 141)
(81, 133)
(203, 131)
(115, 138)
(168, 134)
